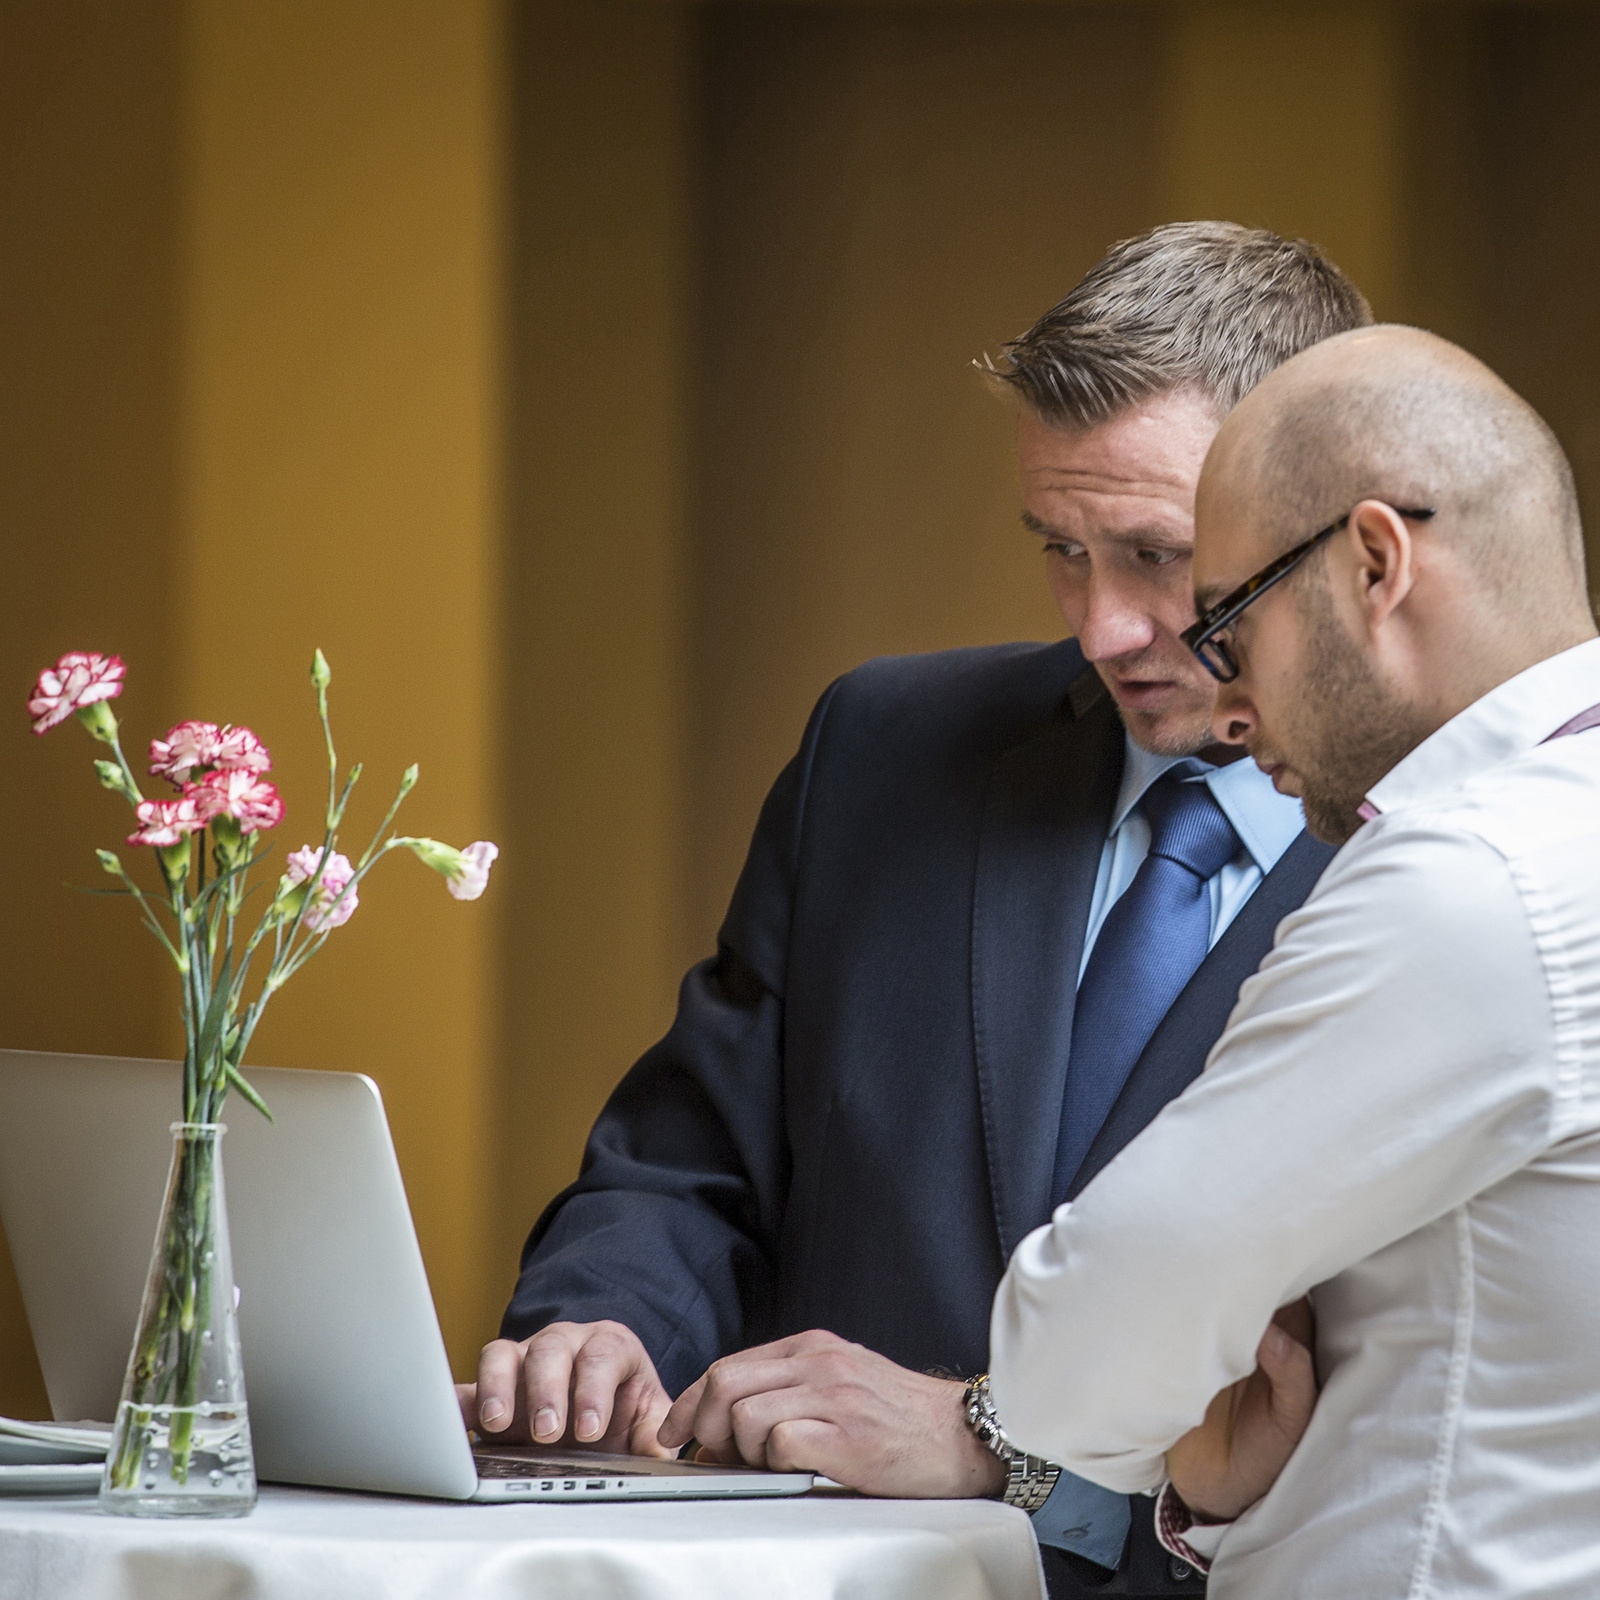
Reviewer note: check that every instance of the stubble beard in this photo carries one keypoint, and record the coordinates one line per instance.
(1350, 729)
(1179, 732)
(1169, 735)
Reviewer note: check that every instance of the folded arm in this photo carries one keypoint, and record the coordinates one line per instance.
(1379, 1070)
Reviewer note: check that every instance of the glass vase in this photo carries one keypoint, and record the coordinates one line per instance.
(180, 1446)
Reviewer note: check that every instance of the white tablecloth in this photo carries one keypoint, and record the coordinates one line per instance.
(304, 1544)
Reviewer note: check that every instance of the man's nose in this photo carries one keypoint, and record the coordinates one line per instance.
(1114, 624)
(1235, 718)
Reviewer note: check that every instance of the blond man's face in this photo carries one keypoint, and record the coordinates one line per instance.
(1113, 506)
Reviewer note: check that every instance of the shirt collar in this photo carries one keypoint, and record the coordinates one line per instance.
(1508, 721)
(1267, 822)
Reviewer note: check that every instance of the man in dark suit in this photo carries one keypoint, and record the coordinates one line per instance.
(995, 913)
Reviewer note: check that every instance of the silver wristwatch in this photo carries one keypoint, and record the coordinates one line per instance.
(1029, 1479)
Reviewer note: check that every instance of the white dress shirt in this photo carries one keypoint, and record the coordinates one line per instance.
(1267, 824)
(1403, 1115)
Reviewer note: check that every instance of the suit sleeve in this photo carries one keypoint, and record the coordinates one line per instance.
(671, 1227)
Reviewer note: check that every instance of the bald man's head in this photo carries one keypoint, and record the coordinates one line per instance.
(1400, 415)
(1395, 621)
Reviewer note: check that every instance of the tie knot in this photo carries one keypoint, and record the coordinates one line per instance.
(1188, 826)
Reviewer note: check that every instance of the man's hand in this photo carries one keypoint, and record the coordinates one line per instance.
(815, 1403)
(1251, 1428)
(590, 1385)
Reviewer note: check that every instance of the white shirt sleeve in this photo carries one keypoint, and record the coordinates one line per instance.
(1393, 1057)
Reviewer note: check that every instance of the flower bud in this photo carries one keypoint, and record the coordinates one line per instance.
(408, 779)
(108, 860)
(113, 778)
(174, 859)
(288, 900)
(321, 677)
(228, 841)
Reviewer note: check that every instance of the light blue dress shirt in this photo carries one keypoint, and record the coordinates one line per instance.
(1266, 821)
(1081, 1516)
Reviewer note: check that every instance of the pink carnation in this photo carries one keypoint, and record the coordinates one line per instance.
(472, 878)
(203, 746)
(238, 750)
(336, 873)
(187, 746)
(241, 795)
(165, 821)
(77, 679)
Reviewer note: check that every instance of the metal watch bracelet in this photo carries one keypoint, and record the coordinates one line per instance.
(1029, 1479)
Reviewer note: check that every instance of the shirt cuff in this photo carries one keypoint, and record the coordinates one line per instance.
(1176, 1528)
(1085, 1519)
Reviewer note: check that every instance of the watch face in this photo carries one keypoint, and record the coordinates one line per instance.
(984, 1422)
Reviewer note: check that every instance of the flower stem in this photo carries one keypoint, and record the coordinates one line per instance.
(168, 1355)
(127, 771)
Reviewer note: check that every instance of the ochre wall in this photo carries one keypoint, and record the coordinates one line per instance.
(89, 135)
(592, 604)
(1290, 117)
(1530, 137)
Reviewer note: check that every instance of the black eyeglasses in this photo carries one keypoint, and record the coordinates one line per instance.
(1211, 638)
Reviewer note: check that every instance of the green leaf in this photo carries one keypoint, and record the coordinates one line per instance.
(216, 1015)
(239, 1082)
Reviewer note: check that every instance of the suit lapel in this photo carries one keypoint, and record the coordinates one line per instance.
(1178, 1048)
(1044, 824)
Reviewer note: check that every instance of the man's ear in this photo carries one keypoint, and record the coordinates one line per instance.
(1384, 555)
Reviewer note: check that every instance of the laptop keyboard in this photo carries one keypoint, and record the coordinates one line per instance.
(518, 1467)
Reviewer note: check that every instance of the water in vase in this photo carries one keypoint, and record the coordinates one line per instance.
(193, 1461)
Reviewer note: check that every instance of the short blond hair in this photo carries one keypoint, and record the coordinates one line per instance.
(1211, 307)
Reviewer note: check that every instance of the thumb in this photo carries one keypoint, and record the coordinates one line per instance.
(678, 1428)
(1289, 1369)
(644, 1436)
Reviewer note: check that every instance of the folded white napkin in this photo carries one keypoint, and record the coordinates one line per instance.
(44, 1444)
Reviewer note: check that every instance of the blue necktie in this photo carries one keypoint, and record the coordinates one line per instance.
(1149, 946)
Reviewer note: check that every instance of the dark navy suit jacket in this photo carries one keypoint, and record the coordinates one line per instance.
(853, 1119)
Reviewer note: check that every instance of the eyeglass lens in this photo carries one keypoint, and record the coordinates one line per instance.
(1218, 658)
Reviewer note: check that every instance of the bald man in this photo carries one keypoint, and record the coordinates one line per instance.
(1403, 1114)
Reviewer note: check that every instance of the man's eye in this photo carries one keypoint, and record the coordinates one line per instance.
(1065, 548)
(1160, 558)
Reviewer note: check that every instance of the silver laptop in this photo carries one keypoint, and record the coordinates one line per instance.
(348, 1383)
